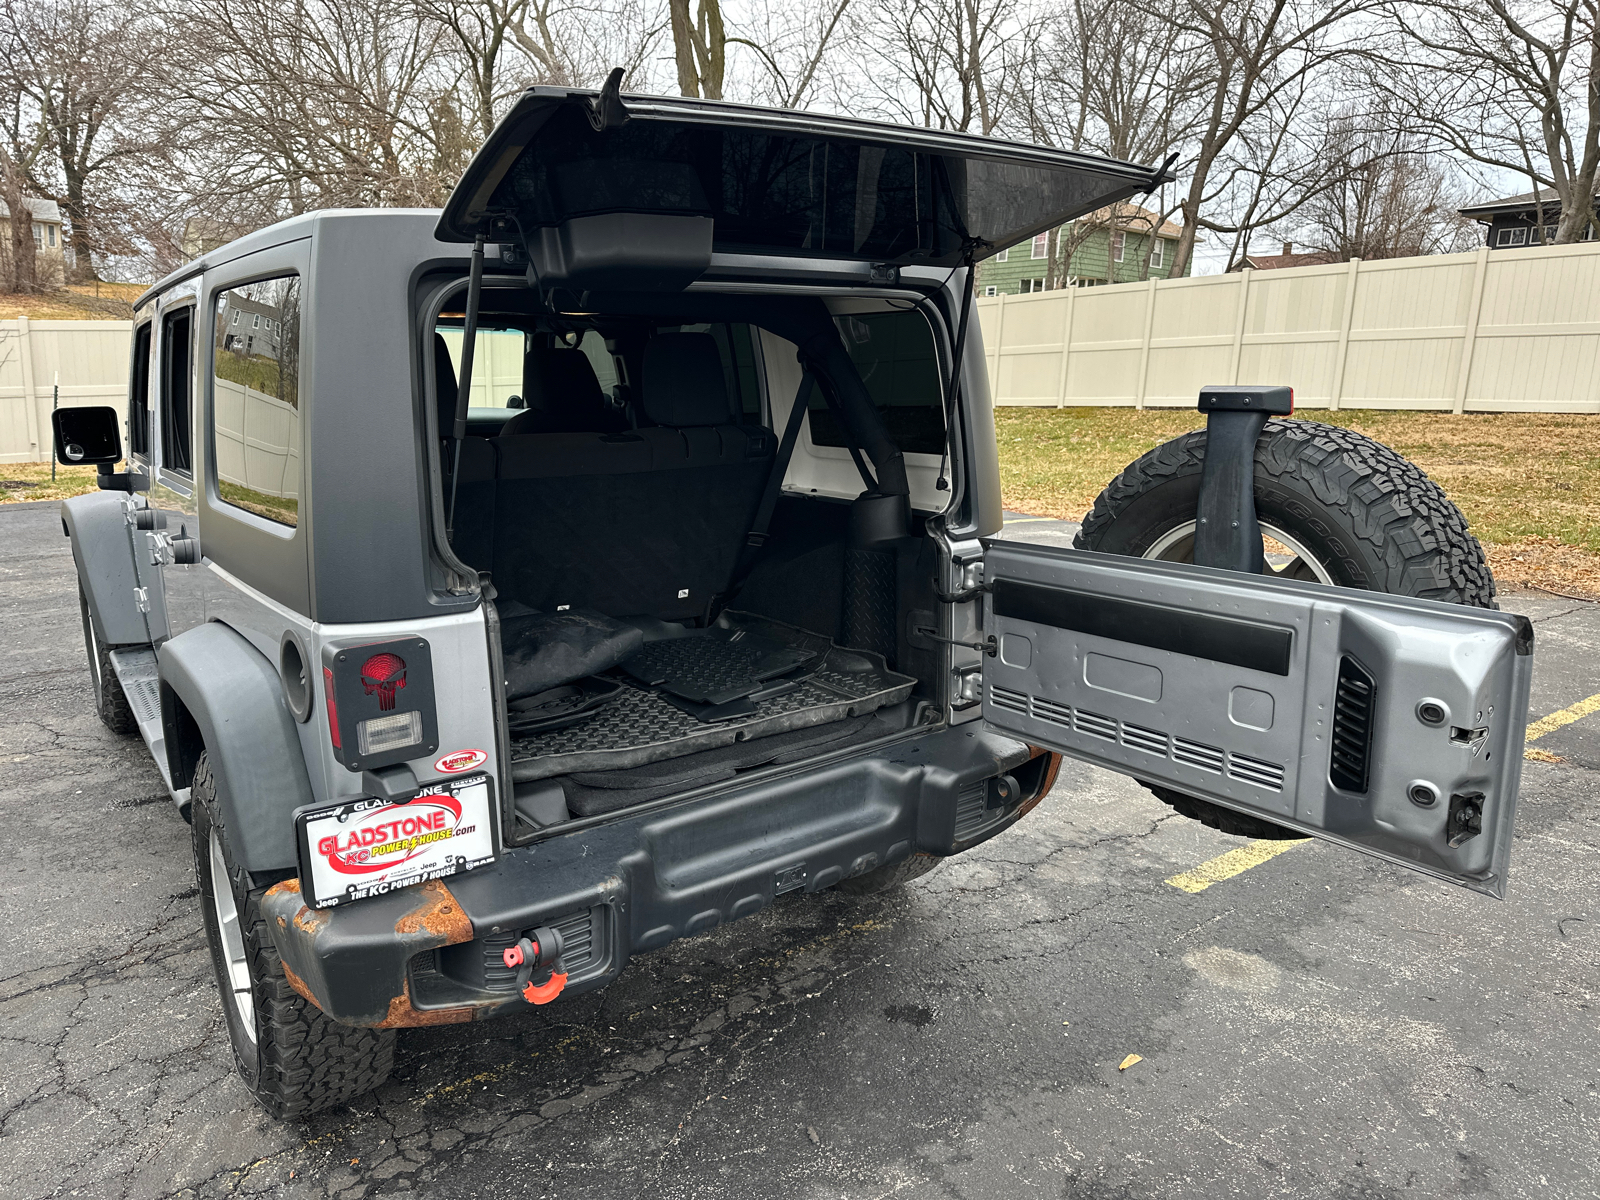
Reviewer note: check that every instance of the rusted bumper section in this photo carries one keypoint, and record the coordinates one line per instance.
(351, 961)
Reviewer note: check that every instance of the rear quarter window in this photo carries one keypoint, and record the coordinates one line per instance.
(894, 354)
(255, 398)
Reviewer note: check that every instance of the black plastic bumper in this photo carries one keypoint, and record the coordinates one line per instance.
(431, 954)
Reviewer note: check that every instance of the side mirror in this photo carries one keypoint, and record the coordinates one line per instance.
(87, 435)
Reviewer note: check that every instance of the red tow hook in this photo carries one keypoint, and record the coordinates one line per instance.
(529, 957)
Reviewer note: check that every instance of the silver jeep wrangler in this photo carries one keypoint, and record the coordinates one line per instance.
(507, 590)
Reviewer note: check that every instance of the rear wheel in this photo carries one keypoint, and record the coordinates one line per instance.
(294, 1060)
(110, 702)
(1342, 509)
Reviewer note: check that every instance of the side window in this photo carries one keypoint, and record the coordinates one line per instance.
(894, 354)
(255, 398)
(139, 393)
(497, 362)
(177, 359)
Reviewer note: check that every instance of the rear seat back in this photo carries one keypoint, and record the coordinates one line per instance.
(644, 523)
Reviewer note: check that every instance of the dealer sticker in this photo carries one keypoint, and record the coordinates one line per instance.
(372, 847)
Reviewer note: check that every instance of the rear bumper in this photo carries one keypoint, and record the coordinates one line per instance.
(431, 954)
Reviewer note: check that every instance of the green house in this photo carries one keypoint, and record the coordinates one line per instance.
(1103, 247)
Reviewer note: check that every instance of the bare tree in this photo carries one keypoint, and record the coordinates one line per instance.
(1511, 84)
(1395, 200)
(1255, 57)
(949, 64)
(700, 46)
(82, 65)
(791, 44)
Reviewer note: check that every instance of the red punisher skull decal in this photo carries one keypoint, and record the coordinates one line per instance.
(384, 674)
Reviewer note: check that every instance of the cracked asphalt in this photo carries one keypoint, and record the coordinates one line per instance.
(1322, 1025)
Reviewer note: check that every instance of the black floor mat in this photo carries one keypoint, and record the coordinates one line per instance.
(595, 793)
(640, 726)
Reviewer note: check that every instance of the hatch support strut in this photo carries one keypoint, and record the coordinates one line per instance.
(1227, 534)
(469, 341)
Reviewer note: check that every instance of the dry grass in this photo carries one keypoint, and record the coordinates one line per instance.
(35, 478)
(1528, 483)
(78, 302)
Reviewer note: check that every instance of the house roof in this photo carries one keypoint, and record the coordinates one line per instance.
(1510, 204)
(43, 210)
(1133, 217)
(1273, 262)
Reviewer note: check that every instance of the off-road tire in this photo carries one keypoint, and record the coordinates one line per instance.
(110, 702)
(887, 878)
(1372, 519)
(299, 1062)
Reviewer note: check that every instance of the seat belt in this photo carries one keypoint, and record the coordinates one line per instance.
(757, 537)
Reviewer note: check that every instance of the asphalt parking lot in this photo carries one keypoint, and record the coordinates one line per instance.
(1319, 1025)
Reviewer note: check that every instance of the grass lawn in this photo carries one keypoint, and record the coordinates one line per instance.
(77, 302)
(1529, 483)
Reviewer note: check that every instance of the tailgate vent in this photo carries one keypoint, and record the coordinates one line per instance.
(1352, 727)
(1254, 770)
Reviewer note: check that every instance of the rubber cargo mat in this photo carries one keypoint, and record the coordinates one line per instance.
(640, 726)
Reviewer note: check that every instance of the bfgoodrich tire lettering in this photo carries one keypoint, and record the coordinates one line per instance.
(294, 1060)
(1372, 520)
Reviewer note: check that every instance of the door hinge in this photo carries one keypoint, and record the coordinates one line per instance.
(160, 548)
(969, 688)
(141, 599)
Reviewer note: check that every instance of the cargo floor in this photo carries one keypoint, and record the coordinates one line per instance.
(641, 726)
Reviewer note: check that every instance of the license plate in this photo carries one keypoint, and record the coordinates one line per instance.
(372, 847)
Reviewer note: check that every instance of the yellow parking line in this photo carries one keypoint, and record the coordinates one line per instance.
(1234, 862)
(1566, 716)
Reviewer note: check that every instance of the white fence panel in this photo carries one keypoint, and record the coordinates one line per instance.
(87, 359)
(1488, 331)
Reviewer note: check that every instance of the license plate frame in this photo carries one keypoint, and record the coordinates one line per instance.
(447, 829)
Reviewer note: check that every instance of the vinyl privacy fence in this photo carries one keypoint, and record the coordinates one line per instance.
(1491, 331)
(85, 361)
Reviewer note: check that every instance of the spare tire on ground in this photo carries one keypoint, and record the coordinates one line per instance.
(1344, 510)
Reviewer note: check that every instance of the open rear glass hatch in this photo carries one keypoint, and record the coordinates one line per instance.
(751, 181)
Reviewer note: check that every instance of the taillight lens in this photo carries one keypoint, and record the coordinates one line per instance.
(333, 708)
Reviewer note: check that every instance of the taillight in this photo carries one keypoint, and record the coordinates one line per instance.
(380, 702)
(333, 708)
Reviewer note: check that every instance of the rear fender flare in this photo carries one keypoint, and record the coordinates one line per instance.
(103, 554)
(221, 695)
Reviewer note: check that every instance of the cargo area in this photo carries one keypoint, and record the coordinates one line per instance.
(668, 616)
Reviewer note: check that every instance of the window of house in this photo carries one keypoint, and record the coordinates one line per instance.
(895, 355)
(1549, 235)
(1041, 245)
(1118, 243)
(50, 236)
(139, 394)
(1003, 255)
(1032, 285)
(177, 358)
(1158, 253)
(255, 386)
(255, 320)
(38, 235)
(990, 290)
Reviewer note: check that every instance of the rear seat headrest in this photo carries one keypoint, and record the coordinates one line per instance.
(444, 370)
(562, 394)
(683, 383)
